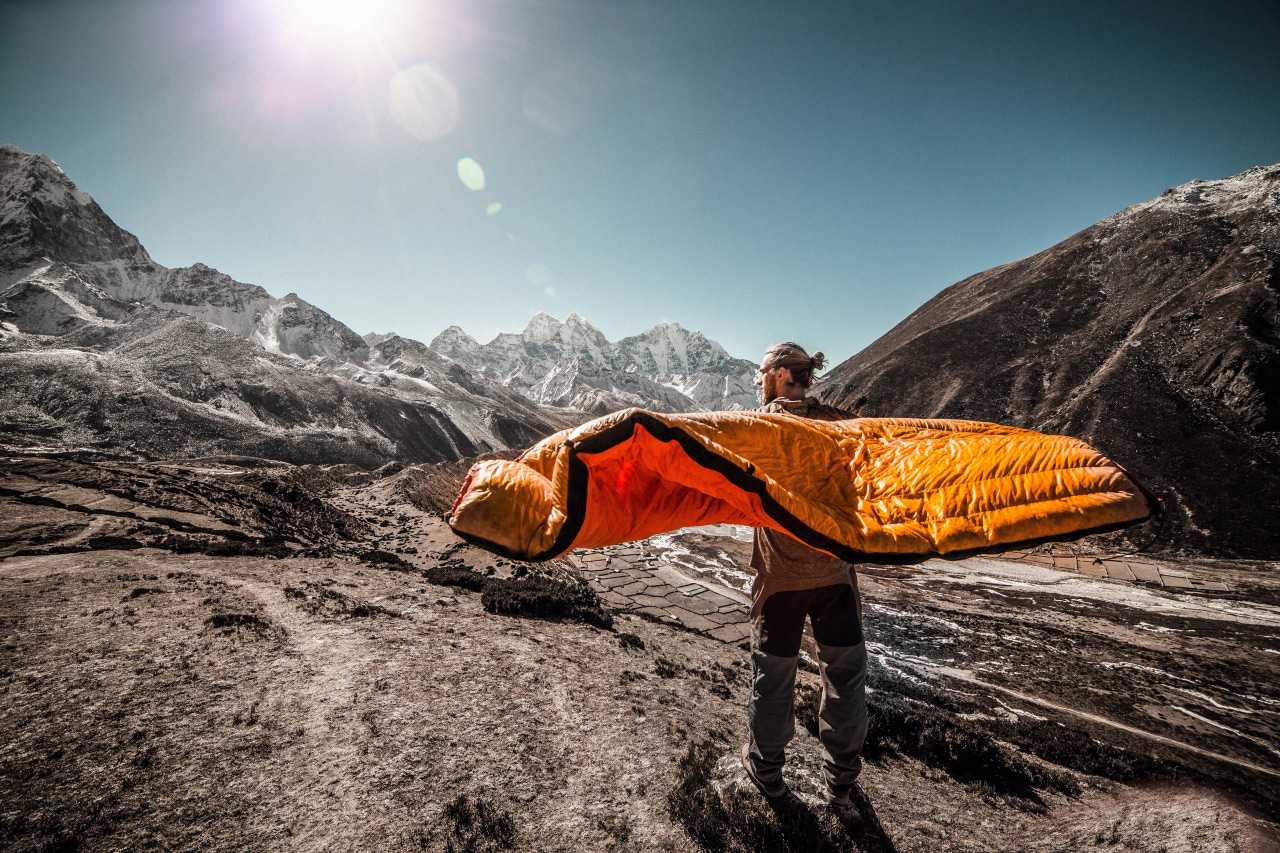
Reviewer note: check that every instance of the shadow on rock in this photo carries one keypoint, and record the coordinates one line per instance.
(722, 811)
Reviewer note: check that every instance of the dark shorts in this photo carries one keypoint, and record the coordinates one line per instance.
(835, 611)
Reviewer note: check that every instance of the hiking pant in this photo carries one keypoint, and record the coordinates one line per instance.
(835, 612)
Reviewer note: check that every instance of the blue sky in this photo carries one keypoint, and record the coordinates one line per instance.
(757, 171)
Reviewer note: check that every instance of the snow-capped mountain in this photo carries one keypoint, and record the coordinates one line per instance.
(43, 216)
(572, 364)
(102, 346)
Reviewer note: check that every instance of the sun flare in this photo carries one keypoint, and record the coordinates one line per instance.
(339, 22)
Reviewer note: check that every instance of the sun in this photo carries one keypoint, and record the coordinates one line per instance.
(339, 23)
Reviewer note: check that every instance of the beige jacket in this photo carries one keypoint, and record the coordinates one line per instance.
(771, 550)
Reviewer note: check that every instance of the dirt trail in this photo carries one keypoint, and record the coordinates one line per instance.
(322, 677)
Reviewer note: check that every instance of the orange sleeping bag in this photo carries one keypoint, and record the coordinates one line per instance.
(856, 489)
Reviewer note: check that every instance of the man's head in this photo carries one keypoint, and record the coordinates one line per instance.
(787, 371)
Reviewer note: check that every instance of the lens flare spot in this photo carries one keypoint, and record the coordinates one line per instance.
(471, 175)
(493, 209)
(423, 102)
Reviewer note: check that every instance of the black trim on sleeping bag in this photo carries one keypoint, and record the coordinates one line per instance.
(579, 483)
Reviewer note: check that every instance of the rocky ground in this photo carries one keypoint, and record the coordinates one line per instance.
(236, 655)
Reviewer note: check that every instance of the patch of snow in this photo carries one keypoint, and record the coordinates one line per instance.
(1117, 664)
(1247, 191)
(883, 655)
(1214, 702)
(986, 572)
(1225, 728)
(265, 333)
(1019, 712)
(1157, 629)
(881, 608)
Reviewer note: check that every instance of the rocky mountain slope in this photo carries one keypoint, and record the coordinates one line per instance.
(44, 217)
(233, 369)
(101, 347)
(571, 364)
(1154, 334)
(79, 368)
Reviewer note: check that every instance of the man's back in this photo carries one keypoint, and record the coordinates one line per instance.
(780, 562)
(806, 408)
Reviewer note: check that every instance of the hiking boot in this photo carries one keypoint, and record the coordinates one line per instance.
(840, 798)
(772, 790)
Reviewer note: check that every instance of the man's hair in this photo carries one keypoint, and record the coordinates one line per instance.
(792, 356)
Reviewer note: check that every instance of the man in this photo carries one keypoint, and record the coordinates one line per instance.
(794, 581)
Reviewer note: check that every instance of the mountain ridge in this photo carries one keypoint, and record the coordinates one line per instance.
(1153, 334)
(571, 363)
(71, 277)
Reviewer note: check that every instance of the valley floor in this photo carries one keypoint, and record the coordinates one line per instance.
(324, 696)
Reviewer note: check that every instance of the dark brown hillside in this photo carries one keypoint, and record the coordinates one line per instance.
(1154, 335)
